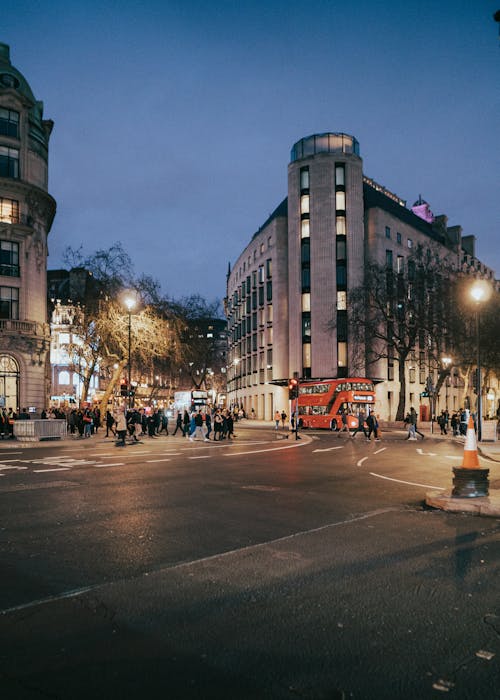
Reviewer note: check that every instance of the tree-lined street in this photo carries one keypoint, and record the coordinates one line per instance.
(267, 568)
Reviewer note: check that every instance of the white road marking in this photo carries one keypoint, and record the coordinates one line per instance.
(425, 454)
(410, 483)
(272, 449)
(3, 467)
(115, 464)
(200, 457)
(105, 454)
(381, 450)
(157, 460)
(328, 449)
(58, 469)
(361, 461)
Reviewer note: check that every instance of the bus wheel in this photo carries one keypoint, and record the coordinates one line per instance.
(333, 425)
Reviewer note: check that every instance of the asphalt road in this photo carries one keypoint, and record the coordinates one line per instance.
(266, 568)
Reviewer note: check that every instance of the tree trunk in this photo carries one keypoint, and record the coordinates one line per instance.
(86, 381)
(400, 413)
(117, 372)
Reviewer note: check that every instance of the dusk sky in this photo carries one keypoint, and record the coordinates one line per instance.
(174, 120)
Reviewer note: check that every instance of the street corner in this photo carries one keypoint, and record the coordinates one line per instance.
(486, 506)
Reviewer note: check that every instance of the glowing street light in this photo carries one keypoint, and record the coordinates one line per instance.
(130, 302)
(480, 292)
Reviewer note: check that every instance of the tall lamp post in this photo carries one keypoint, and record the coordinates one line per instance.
(446, 364)
(235, 363)
(480, 292)
(130, 303)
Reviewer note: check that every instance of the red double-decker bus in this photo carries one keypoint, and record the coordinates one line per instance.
(322, 402)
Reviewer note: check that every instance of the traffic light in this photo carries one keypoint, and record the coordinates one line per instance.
(123, 388)
(293, 388)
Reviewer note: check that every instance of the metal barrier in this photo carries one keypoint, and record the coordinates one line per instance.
(36, 430)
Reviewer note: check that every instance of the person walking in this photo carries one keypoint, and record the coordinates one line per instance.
(283, 419)
(217, 426)
(121, 427)
(361, 424)
(178, 424)
(110, 421)
(372, 423)
(345, 427)
(413, 425)
(277, 418)
(186, 420)
(198, 428)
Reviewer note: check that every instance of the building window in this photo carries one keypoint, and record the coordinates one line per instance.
(269, 291)
(306, 326)
(304, 178)
(341, 248)
(340, 175)
(9, 123)
(304, 204)
(64, 377)
(398, 237)
(269, 268)
(340, 201)
(342, 354)
(306, 356)
(304, 228)
(387, 232)
(261, 274)
(261, 248)
(306, 279)
(261, 296)
(341, 276)
(270, 313)
(9, 259)
(388, 259)
(410, 243)
(306, 301)
(9, 211)
(400, 262)
(342, 325)
(340, 226)
(9, 162)
(305, 251)
(341, 301)
(9, 303)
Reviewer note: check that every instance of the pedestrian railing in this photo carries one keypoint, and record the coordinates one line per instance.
(36, 430)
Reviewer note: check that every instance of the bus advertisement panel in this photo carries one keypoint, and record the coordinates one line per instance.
(322, 402)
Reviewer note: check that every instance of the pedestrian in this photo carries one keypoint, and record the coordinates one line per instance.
(208, 424)
(252, 413)
(361, 424)
(121, 427)
(283, 419)
(178, 424)
(345, 427)
(198, 429)
(277, 418)
(372, 423)
(217, 425)
(110, 421)
(185, 422)
(413, 421)
(163, 423)
(229, 426)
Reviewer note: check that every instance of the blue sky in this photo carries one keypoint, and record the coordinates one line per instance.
(174, 120)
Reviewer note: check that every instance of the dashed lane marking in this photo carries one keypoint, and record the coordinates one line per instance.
(149, 461)
(409, 483)
(57, 469)
(425, 454)
(329, 449)
(200, 457)
(4, 468)
(115, 464)
(361, 461)
(271, 449)
(381, 450)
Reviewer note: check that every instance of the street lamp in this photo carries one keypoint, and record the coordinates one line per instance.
(446, 364)
(130, 302)
(480, 293)
(235, 363)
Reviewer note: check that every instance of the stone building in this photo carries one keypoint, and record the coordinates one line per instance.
(288, 293)
(26, 214)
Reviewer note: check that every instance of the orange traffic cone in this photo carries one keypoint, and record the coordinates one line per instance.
(471, 459)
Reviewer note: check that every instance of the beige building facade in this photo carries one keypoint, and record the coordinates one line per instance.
(288, 294)
(26, 214)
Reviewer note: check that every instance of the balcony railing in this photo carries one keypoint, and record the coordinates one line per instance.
(29, 327)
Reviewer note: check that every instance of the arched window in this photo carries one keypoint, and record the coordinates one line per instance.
(9, 382)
